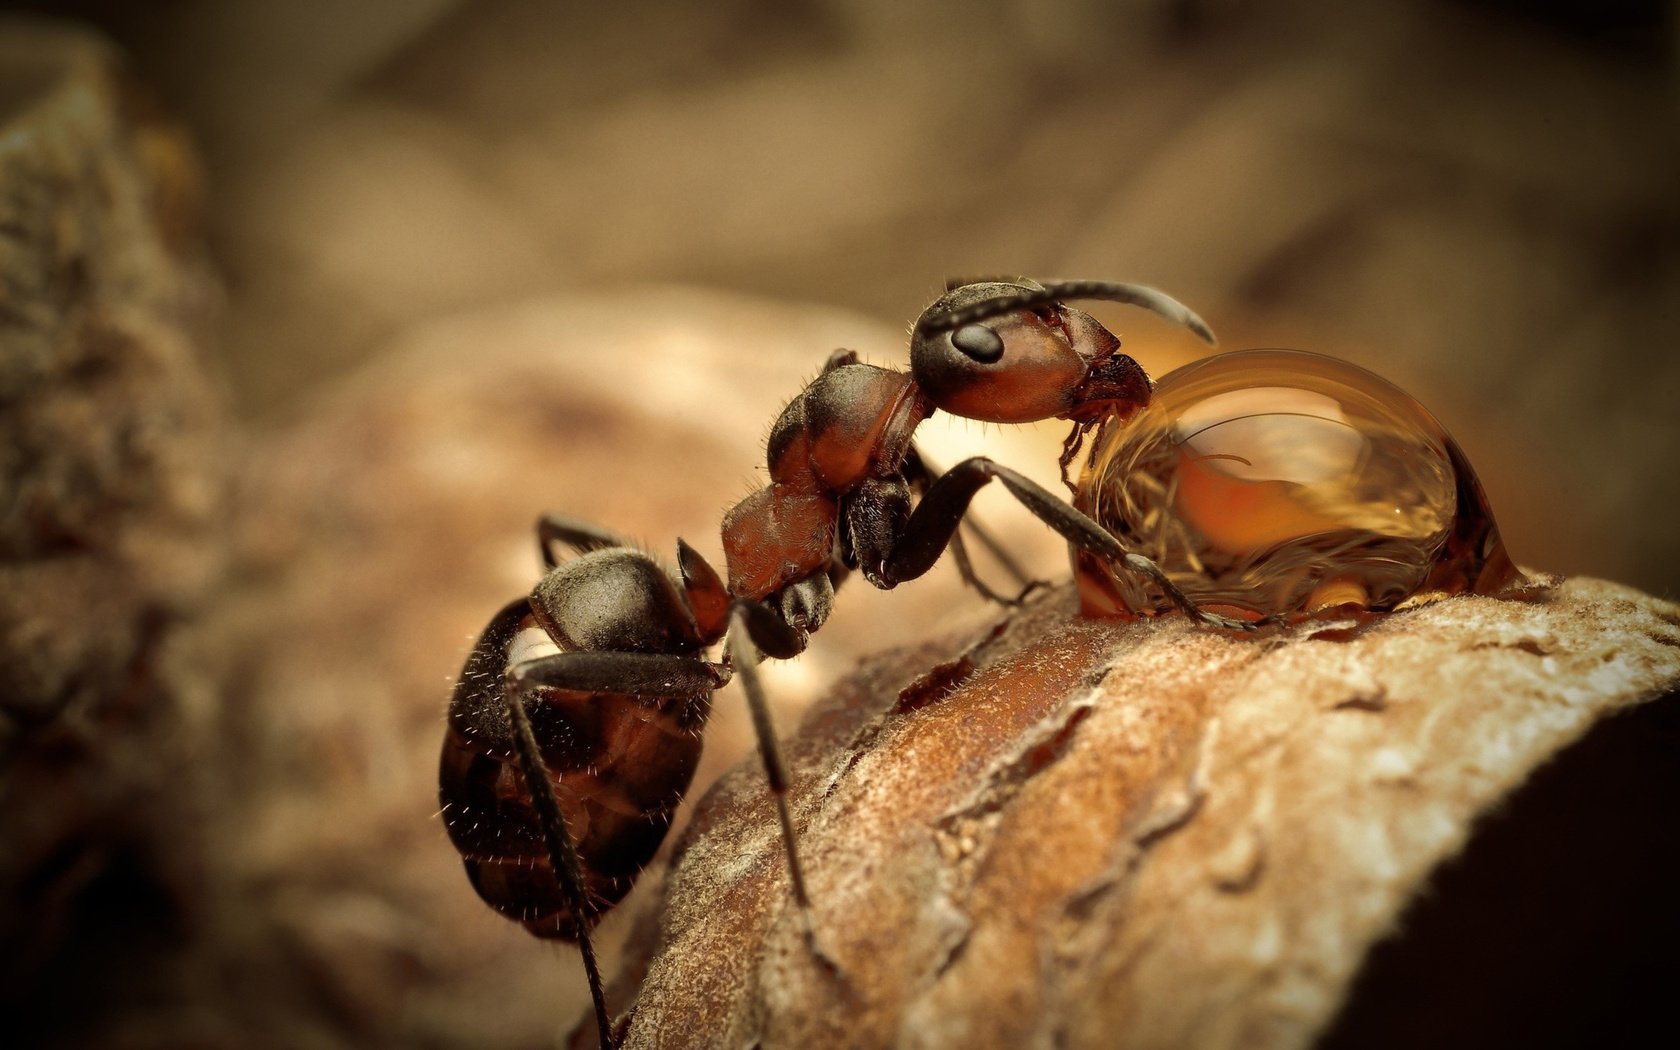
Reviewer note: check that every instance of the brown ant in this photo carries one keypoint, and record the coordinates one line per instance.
(561, 772)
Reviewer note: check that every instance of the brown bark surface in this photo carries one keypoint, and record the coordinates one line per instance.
(1057, 832)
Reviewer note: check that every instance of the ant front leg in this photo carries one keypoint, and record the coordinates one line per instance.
(930, 527)
(920, 474)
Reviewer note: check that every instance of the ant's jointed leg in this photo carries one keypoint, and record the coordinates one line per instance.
(562, 853)
(752, 624)
(581, 536)
(930, 527)
(920, 473)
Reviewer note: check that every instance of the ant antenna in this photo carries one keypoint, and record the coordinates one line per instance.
(1108, 291)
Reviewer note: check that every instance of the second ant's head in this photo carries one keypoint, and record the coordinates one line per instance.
(1012, 352)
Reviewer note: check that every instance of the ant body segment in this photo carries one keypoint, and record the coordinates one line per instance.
(561, 772)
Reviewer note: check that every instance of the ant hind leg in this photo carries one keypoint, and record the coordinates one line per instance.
(562, 853)
(581, 536)
(840, 358)
(639, 674)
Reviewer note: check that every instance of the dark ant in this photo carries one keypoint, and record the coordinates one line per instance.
(561, 772)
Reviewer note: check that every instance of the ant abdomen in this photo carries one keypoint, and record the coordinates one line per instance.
(619, 764)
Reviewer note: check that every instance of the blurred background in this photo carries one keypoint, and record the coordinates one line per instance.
(479, 259)
(1475, 197)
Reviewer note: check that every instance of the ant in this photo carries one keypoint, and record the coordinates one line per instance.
(561, 772)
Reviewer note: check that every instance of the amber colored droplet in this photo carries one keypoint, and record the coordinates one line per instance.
(1277, 481)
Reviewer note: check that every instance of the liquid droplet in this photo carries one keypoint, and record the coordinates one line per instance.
(1281, 482)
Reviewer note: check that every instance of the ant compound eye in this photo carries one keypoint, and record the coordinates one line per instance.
(978, 342)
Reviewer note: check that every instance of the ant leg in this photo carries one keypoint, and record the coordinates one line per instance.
(562, 853)
(581, 536)
(472, 710)
(1001, 555)
(840, 357)
(652, 676)
(935, 519)
(965, 569)
(639, 674)
(920, 474)
(753, 624)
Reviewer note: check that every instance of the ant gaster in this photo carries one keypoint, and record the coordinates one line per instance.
(561, 772)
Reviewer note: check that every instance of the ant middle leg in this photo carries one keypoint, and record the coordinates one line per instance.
(753, 629)
(930, 527)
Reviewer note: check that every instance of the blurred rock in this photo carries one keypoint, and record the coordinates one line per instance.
(110, 502)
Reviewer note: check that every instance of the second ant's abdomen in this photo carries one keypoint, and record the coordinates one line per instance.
(619, 768)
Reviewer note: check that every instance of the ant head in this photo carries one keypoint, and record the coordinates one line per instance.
(1010, 351)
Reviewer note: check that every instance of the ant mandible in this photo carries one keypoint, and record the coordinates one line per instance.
(561, 772)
